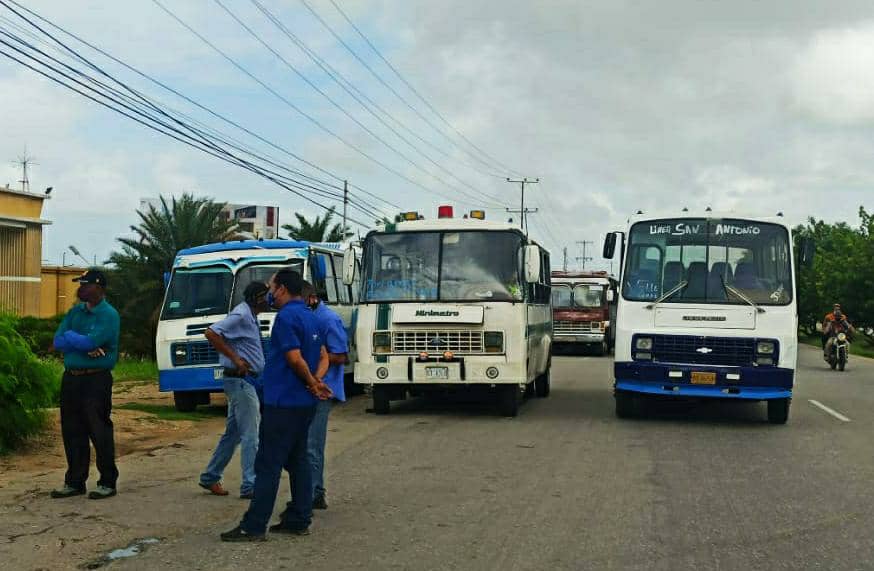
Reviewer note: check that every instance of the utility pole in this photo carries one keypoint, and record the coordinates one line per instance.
(564, 255)
(523, 212)
(583, 258)
(345, 205)
(25, 161)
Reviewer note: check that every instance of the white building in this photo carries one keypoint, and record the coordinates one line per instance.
(254, 221)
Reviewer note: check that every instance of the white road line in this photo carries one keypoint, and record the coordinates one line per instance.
(832, 412)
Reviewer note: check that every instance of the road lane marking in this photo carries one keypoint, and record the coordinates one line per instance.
(832, 412)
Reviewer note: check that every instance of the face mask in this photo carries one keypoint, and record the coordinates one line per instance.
(270, 299)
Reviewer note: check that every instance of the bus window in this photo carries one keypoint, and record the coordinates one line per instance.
(196, 292)
(258, 273)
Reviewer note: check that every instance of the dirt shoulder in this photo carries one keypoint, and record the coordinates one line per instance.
(160, 457)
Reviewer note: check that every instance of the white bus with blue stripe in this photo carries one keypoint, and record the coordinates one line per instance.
(707, 309)
(207, 281)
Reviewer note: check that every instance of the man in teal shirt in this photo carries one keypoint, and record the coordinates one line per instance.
(88, 337)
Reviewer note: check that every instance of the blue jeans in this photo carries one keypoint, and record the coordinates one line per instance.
(316, 446)
(241, 428)
(283, 444)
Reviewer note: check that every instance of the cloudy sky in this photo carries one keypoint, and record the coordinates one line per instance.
(615, 105)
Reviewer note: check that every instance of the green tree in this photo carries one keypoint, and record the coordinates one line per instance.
(319, 230)
(136, 282)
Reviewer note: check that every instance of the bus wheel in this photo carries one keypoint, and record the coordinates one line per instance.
(626, 404)
(185, 401)
(508, 400)
(542, 384)
(381, 401)
(602, 349)
(778, 411)
(530, 389)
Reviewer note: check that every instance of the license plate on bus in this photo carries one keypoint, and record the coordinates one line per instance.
(436, 372)
(218, 374)
(702, 378)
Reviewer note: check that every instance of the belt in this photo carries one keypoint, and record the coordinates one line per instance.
(81, 372)
(234, 374)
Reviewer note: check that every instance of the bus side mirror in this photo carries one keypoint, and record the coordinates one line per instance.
(349, 267)
(609, 245)
(532, 264)
(320, 269)
(808, 251)
(610, 296)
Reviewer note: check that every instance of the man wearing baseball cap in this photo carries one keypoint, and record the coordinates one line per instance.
(88, 337)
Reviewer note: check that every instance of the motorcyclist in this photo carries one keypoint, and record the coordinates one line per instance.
(834, 323)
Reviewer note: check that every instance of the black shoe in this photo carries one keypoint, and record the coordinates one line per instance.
(319, 503)
(67, 492)
(101, 493)
(280, 528)
(247, 495)
(238, 535)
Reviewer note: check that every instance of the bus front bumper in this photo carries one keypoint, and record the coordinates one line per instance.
(589, 338)
(749, 383)
(191, 379)
(463, 371)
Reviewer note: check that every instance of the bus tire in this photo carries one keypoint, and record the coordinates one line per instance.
(381, 400)
(542, 384)
(626, 404)
(185, 401)
(601, 349)
(508, 400)
(530, 389)
(778, 411)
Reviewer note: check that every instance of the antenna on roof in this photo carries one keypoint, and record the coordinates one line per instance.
(708, 209)
(685, 209)
(24, 160)
(780, 214)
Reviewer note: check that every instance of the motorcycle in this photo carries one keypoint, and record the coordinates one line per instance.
(840, 352)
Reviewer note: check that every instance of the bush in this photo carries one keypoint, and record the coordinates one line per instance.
(39, 333)
(27, 385)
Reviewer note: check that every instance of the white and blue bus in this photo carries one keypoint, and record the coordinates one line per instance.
(207, 281)
(707, 308)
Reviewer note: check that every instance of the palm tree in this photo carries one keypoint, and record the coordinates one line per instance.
(136, 283)
(319, 230)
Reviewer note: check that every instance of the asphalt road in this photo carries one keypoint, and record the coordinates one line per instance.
(566, 485)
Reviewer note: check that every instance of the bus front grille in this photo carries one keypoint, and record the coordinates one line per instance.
(726, 351)
(414, 342)
(562, 327)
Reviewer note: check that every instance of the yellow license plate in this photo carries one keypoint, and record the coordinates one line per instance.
(700, 378)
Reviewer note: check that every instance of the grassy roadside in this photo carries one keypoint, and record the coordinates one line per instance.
(169, 412)
(860, 346)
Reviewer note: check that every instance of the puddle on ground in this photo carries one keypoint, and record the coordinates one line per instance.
(136, 547)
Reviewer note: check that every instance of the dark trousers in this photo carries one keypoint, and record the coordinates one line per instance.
(282, 443)
(86, 404)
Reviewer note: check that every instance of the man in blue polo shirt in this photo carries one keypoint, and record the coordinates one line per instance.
(337, 344)
(88, 337)
(291, 392)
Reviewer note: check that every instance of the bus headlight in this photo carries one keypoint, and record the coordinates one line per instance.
(493, 341)
(643, 343)
(382, 373)
(765, 347)
(382, 342)
(492, 373)
(180, 355)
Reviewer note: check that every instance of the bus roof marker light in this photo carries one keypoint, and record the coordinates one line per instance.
(478, 214)
(444, 211)
(408, 216)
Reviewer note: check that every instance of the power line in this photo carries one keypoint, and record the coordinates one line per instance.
(388, 86)
(415, 91)
(175, 92)
(349, 115)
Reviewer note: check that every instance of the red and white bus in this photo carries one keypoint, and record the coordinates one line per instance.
(583, 310)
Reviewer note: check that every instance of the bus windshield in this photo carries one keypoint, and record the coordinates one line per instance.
(196, 292)
(443, 266)
(561, 295)
(708, 261)
(259, 273)
(588, 295)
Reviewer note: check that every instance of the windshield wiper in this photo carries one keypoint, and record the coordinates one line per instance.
(740, 294)
(680, 286)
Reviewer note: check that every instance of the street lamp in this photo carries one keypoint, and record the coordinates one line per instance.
(76, 253)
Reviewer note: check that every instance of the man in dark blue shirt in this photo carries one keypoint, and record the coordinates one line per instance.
(291, 392)
(88, 337)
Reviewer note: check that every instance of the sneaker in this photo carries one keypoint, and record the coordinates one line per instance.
(319, 503)
(239, 535)
(247, 495)
(214, 488)
(281, 528)
(67, 492)
(101, 493)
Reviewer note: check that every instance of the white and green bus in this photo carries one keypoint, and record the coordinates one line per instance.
(452, 304)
